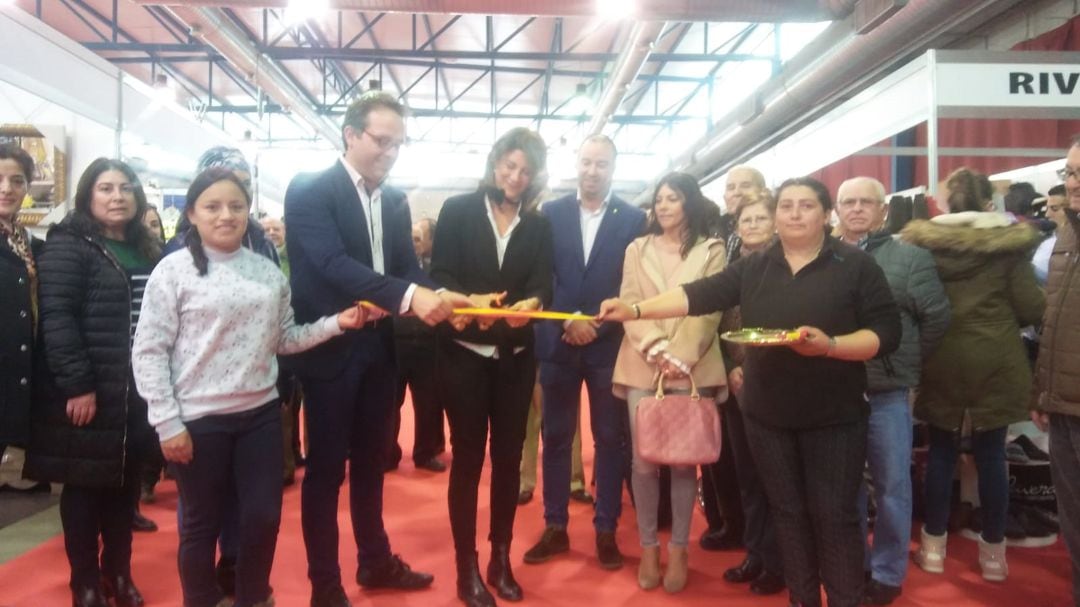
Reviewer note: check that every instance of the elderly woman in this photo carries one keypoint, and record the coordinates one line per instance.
(18, 297)
(804, 405)
(676, 249)
(979, 374)
(90, 430)
(762, 568)
(494, 245)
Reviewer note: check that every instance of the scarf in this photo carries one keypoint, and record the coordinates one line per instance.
(19, 242)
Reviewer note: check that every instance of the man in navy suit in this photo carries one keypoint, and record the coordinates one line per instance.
(591, 232)
(350, 239)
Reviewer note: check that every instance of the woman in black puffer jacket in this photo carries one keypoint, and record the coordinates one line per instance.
(90, 430)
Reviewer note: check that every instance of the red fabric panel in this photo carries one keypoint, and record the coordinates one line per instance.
(878, 167)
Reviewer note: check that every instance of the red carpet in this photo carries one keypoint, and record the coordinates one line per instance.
(416, 518)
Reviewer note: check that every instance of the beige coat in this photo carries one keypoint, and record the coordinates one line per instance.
(693, 339)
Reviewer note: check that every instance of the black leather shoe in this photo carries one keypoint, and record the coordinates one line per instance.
(330, 597)
(715, 540)
(551, 543)
(89, 597)
(768, 583)
(432, 465)
(607, 550)
(499, 575)
(876, 593)
(393, 573)
(122, 590)
(142, 524)
(470, 588)
(525, 497)
(581, 495)
(747, 571)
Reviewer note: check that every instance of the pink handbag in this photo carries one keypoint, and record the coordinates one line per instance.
(678, 429)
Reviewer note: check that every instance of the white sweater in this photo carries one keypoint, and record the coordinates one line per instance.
(206, 345)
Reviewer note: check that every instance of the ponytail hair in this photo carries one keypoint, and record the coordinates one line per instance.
(201, 183)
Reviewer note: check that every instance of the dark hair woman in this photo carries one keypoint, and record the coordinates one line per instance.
(214, 317)
(18, 297)
(804, 405)
(980, 371)
(677, 248)
(90, 431)
(493, 245)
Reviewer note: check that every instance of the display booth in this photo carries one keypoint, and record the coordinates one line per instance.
(1033, 90)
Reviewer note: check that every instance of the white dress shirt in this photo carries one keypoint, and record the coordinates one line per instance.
(372, 205)
(487, 350)
(590, 223)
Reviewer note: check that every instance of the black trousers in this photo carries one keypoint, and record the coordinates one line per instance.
(237, 456)
(812, 477)
(759, 534)
(481, 391)
(88, 513)
(720, 489)
(106, 513)
(416, 369)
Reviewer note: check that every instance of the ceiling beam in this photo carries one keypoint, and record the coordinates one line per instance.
(659, 10)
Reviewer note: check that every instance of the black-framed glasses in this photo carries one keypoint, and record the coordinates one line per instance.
(1065, 173)
(387, 143)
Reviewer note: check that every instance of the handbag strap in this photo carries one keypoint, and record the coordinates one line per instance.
(694, 394)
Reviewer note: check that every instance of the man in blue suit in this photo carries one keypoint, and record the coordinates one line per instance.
(591, 230)
(350, 239)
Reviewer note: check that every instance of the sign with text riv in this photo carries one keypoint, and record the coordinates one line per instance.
(1030, 85)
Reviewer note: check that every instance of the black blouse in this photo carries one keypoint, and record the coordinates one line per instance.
(841, 291)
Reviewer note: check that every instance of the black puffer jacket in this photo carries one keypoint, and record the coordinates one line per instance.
(86, 329)
(16, 345)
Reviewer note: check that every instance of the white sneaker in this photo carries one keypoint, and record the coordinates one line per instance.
(992, 561)
(931, 554)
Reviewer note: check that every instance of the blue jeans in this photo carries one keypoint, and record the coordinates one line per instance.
(888, 454)
(562, 402)
(988, 446)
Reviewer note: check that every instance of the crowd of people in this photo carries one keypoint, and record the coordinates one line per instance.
(125, 354)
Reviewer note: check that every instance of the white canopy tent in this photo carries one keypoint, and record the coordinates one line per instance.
(937, 84)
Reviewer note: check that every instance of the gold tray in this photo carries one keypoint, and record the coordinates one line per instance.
(763, 337)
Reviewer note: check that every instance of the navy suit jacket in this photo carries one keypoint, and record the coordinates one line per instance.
(331, 265)
(581, 284)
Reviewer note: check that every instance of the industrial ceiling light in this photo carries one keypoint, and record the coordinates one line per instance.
(580, 104)
(615, 9)
(299, 11)
(164, 90)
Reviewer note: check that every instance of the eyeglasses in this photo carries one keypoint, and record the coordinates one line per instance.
(1065, 173)
(387, 143)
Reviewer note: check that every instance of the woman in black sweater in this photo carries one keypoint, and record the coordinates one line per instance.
(804, 405)
(494, 245)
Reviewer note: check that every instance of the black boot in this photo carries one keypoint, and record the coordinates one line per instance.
(123, 591)
(470, 587)
(499, 575)
(92, 596)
